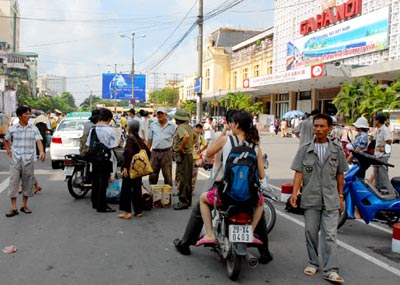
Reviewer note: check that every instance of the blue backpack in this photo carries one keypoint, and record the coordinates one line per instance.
(240, 184)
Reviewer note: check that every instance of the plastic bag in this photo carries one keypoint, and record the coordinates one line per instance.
(113, 193)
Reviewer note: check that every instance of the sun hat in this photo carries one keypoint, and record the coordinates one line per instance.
(361, 123)
(162, 110)
(181, 115)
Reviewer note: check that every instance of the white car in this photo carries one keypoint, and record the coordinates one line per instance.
(66, 137)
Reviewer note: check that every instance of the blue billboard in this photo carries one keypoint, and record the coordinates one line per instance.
(119, 86)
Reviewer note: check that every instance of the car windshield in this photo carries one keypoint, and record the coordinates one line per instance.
(72, 125)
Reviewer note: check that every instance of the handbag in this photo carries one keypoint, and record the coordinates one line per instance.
(140, 165)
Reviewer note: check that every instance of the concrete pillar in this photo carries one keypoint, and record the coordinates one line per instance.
(292, 100)
(314, 99)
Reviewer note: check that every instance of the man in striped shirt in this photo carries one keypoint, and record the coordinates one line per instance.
(20, 143)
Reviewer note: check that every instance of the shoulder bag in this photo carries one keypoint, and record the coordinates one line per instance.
(140, 164)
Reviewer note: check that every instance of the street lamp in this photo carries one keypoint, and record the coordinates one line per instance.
(133, 62)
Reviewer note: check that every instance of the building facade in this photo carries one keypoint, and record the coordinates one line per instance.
(51, 85)
(10, 23)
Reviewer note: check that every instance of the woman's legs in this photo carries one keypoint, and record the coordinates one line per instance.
(258, 212)
(206, 215)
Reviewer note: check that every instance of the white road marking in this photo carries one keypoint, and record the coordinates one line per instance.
(354, 250)
(350, 248)
(4, 184)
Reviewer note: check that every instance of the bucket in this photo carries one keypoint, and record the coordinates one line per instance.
(286, 191)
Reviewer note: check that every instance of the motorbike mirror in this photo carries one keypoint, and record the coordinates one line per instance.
(388, 148)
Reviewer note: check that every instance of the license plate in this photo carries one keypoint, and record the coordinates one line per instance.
(240, 233)
(68, 170)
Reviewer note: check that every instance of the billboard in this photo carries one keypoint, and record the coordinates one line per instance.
(364, 34)
(119, 86)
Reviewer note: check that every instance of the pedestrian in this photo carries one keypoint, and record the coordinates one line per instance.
(319, 167)
(183, 150)
(276, 126)
(305, 130)
(283, 126)
(160, 139)
(144, 125)
(20, 143)
(360, 141)
(199, 146)
(209, 132)
(131, 189)
(384, 138)
(102, 169)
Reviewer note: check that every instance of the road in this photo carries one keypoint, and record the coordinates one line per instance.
(65, 242)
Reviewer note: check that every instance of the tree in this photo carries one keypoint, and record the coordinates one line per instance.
(365, 97)
(165, 97)
(189, 106)
(241, 101)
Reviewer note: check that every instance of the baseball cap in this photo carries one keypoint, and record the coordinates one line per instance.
(162, 110)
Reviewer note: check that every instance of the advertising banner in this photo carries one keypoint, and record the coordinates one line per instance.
(364, 34)
(308, 72)
(119, 86)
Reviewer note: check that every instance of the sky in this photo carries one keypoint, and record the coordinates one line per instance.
(82, 39)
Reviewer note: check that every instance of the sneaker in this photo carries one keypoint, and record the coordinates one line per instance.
(185, 250)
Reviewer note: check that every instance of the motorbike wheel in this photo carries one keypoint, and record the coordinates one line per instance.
(74, 188)
(269, 215)
(233, 265)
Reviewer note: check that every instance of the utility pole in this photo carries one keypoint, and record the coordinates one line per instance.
(133, 68)
(115, 91)
(200, 60)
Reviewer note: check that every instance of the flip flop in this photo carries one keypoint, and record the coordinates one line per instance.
(203, 241)
(25, 210)
(257, 241)
(334, 277)
(9, 249)
(310, 271)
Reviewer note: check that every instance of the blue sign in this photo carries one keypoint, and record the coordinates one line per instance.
(197, 85)
(119, 86)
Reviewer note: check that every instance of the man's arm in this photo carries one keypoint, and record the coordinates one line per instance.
(42, 155)
(297, 180)
(340, 184)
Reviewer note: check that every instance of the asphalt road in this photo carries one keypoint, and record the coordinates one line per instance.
(65, 242)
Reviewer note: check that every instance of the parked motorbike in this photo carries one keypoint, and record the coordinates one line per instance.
(361, 194)
(77, 172)
(234, 233)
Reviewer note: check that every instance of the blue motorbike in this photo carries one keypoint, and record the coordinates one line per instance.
(360, 194)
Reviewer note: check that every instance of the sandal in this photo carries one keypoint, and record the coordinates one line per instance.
(25, 210)
(310, 270)
(125, 216)
(334, 277)
(139, 215)
(12, 213)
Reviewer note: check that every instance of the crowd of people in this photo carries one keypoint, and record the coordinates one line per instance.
(322, 152)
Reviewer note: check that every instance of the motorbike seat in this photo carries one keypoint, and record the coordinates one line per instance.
(396, 183)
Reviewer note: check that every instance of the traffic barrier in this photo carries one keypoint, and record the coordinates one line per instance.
(286, 191)
(396, 238)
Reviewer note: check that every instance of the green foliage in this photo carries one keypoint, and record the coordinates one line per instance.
(189, 106)
(65, 102)
(165, 97)
(241, 101)
(364, 97)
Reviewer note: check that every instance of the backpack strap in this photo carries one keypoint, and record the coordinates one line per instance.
(234, 140)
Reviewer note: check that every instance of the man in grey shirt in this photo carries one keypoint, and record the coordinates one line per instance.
(320, 165)
(304, 130)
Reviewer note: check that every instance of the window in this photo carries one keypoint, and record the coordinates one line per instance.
(207, 80)
(269, 67)
(234, 83)
(245, 73)
(256, 72)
